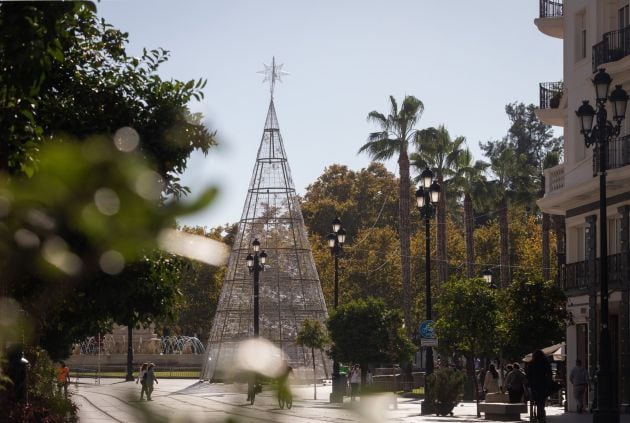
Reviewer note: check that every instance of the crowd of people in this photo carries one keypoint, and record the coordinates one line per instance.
(536, 383)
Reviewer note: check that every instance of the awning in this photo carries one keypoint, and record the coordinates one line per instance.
(555, 352)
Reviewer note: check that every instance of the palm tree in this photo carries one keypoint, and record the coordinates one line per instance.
(396, 131)
(438, 152)
(510, 170)
(469, 178)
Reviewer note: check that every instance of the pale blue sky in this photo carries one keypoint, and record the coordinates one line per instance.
(464, 59)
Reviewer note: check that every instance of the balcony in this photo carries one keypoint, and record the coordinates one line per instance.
(550, 94)
(550, 20)
(554, 179)
(550, 111)
(618, 154)
(615, 45)
(575, 276)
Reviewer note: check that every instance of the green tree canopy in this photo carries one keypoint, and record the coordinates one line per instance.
(468, 317)
(65, 71)
(312, 335)
(360, 198)
(366, 331)
(533, 316)
(87, 214)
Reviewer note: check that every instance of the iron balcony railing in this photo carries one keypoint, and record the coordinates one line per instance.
(576, 276)
(615, 45)
(551, 9)
(550, 94)
(618, 154)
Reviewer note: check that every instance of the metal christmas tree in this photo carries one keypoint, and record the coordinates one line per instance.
(290, 291)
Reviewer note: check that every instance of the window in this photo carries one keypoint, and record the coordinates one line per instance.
(580, 243)
(614, 235)
(581, 38)
(581, 343)
(623, 16)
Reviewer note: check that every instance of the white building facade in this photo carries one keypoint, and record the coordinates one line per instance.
(595, 34)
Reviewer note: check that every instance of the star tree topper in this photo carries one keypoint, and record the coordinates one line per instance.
(272, 74)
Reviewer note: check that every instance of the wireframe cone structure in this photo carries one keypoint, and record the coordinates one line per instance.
(290, 291)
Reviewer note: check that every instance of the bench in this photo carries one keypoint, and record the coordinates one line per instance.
(503, 411)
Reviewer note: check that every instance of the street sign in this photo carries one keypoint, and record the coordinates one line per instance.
(426, 329)
(428, 342)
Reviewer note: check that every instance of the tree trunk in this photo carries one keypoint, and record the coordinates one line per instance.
(559, 229)
(505, 246)
(546, 223)
(546, 265)
(441, 235)
(469, 225)
(404, 232)
(129, 376)
(314, 375)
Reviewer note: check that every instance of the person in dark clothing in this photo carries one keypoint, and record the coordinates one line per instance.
(515, 382)
(539, 378)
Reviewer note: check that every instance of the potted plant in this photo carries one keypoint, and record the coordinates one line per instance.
(446, 386)
(554, 102)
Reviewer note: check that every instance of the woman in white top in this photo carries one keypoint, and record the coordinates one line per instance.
(491, 381)
(355, 380)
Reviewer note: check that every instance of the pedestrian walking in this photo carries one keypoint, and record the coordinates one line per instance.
(63, 378)
(491, 380)
(355, 381)
(142, 378)
(579, 380)
(515, 384)
(150, 378)
(507, 369)
(539, 379)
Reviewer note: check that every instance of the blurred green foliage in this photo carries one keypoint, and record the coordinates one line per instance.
(91, 145)
(65, 71)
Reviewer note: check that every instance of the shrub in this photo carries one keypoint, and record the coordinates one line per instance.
(44, 404)
(446, 385)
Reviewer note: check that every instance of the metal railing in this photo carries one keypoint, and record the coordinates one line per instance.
(576, 275)
(618, 154)
(551, 9)
(118, 371)
(550, 94)
(615, 45)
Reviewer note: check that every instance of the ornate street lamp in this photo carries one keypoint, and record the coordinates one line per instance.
(335, 241)
(256, 264)
(599, 136)
(427, 197)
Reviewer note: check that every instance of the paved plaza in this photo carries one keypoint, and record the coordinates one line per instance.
(186, 400)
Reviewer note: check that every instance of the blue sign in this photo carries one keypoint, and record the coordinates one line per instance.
(426, 329)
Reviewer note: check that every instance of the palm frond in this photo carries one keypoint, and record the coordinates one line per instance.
(380, 149)
(393, 106)
(377, 117)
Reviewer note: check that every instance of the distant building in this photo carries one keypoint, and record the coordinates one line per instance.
(595, 34)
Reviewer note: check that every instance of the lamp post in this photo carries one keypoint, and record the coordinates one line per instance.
(427, 197)
(599, 136)
(335, 240)
(256, 264)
